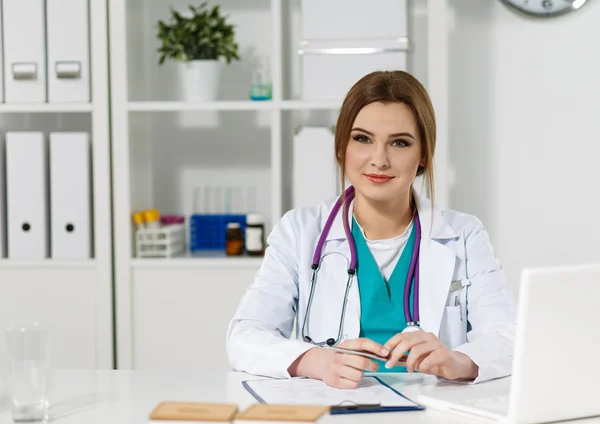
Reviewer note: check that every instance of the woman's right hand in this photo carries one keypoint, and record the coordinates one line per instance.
(336, 369)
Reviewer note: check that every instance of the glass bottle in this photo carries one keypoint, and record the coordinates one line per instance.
(255, 235)
(261, 86)
(234, 243)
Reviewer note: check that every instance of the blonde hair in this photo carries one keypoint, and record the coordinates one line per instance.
(389, 87)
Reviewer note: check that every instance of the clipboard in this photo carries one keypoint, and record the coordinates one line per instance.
(354, 408)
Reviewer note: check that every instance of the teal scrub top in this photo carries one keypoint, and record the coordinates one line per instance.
(382, 302)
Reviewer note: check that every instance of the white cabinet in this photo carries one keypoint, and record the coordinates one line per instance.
(64, 298)
(180, 316)
(74, 297)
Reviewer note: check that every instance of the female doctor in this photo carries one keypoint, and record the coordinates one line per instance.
(380, 269)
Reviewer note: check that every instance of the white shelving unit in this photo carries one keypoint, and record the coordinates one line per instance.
(74, 297)
(168, 311)
(46, 108)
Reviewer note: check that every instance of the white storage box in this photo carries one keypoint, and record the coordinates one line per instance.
(330, 69)
(353, 19)
(164, 242)
(343, 40)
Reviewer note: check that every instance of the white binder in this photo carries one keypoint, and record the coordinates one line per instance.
(3, 237)
(27, 195)
(24, 51)
(1, 58)
(70, 195)
(315, 172)
(68, 51)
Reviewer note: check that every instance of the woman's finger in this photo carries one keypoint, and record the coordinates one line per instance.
(366, 345)
(405, 345)
(344, 383)
(419, 352)
(423, 365)
(359, 362)
(399, 351)
(428, 365)
(391, 344)
(410, 338)
(343, 370)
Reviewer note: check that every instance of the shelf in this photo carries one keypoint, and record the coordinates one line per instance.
(170, 106)
(209, 259)
(45, 107)
(310, 104)
(173, 106)
(46, 264)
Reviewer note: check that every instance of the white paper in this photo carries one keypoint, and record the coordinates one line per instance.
(303, 391)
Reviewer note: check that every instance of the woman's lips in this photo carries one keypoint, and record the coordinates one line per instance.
(378, 178)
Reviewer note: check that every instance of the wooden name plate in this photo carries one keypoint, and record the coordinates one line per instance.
(301, 413)
(192, 411)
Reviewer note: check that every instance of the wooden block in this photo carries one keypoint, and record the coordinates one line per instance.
(302, 413)
(194, 411)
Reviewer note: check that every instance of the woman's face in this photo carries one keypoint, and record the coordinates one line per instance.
(384, 152)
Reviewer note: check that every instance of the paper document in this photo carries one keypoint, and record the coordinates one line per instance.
(303, 391)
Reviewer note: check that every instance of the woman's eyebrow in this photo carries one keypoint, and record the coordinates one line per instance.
(401, 134)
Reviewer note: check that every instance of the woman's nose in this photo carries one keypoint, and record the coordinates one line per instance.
(380, 158)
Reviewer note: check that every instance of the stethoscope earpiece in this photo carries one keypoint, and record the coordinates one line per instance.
(330, 342)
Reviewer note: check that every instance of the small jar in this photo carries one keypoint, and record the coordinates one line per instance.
(152, 218)
(234, 242)
(255, 235)
(139, 220)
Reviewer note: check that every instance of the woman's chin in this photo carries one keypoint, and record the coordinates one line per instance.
(380, 193)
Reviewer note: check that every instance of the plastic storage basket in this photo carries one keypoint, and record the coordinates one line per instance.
(164, 242)
(208, 232)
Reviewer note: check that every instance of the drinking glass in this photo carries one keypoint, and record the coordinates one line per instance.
(29, 371)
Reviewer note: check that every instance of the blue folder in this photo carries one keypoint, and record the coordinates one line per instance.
(352, 408)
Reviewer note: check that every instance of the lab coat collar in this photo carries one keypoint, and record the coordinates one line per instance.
(435, 229)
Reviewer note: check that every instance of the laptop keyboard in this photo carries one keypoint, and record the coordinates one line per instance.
(493, 403)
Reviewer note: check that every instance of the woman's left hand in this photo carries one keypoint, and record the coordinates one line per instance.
(429, 355)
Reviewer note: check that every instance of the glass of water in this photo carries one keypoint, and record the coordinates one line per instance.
(29, 371)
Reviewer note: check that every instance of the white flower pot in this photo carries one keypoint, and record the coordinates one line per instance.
(199, 80)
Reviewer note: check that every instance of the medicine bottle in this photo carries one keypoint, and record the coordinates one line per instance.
(234, 243)
(255, 235)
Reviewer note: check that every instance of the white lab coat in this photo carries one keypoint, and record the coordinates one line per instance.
(454, 246)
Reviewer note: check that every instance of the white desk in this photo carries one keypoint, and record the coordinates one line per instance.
(119, 397)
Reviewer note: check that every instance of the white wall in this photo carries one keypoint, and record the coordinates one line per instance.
(525, 127)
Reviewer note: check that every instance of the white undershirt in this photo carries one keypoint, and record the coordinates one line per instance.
(387, 252)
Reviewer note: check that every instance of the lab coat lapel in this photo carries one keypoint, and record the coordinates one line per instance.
(436, 266)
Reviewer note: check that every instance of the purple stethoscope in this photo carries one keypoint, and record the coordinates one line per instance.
(413, 271)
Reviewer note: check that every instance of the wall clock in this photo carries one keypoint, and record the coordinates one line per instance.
(545, 8)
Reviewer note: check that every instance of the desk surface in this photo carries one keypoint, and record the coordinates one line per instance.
(90, 396)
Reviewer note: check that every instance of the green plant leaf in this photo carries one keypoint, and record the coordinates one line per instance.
(203, 35)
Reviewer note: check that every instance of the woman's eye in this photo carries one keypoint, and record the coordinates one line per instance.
(400, 143)
(361, 138)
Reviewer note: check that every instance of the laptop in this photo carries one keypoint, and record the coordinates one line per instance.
(556, 364)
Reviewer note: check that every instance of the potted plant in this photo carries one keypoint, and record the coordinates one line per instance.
(199, 41)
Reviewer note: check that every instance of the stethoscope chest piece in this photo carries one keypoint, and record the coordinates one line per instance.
(412, 328)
